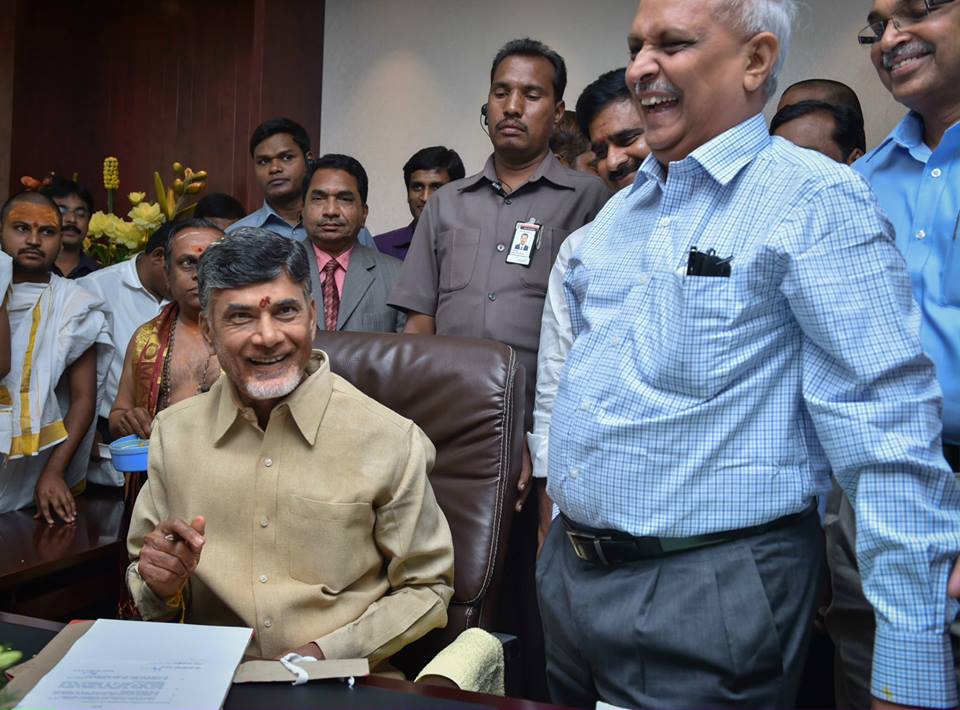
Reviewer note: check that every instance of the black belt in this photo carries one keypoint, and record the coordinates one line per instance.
(612, 547)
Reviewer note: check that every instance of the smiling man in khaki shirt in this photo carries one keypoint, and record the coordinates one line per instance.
(311, 517)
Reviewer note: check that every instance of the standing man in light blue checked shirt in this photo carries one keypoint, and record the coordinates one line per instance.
(743, 325)
(915, 174)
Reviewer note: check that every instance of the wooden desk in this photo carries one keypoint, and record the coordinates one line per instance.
(53, 572)
(371, 693)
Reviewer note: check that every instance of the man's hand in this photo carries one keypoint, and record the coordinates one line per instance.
(544, 512)
(953, 584)
(170, 555)
(526, 474)
(52, 495)
(310, 649)
(135, 421)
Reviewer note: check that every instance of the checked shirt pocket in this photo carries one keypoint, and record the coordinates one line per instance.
(694, 317)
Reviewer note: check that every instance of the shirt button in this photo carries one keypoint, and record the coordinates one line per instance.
(586, 405)
(492, 296)
(643, 279)
(921, 234)
(268, 622)
(574, 473)
(665, 222)
(268, 462)
(615, 342)
(264, 523)
(936, 172)
(263, 579)
(500, 247)
(508, 201)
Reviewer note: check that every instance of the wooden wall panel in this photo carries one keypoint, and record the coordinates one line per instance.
(156, 82)
(8, 10)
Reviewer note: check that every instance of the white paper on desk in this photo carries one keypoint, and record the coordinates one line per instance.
(140, 664)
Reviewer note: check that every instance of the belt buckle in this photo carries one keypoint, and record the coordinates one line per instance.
(579, 541)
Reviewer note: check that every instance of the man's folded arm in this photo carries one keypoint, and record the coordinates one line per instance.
(875, 403)
(412, 535)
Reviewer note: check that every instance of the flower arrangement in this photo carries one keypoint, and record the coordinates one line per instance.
(112, 239)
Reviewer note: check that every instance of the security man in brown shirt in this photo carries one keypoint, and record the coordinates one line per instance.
(480, 260)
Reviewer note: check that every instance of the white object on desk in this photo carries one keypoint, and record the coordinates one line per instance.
(138, 665)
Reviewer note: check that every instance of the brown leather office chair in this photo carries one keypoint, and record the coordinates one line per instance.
(467, 396)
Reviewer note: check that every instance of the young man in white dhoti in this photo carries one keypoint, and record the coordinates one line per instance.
(58, 333)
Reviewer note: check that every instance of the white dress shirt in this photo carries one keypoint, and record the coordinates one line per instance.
(132, 305)
(556, 337)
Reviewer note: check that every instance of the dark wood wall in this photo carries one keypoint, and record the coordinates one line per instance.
(153, 82)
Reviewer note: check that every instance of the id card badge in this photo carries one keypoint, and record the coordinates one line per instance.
(526, 239)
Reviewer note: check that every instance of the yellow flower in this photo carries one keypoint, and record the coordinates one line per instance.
(111, 173)
(98, 224)
(136, 198)
(113, 226)
(147, 216)
(129, 235)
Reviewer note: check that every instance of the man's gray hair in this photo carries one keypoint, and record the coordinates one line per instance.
(250, 256)
(751, 17)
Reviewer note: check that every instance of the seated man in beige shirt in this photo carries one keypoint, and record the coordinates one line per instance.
(311, 518)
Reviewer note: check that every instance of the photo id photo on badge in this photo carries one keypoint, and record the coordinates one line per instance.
(526, 239)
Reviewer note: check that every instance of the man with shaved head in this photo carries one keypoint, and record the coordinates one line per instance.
(830, 91)
(743, 326)
(59, 335)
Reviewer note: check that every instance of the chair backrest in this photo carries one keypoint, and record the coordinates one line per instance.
(467, 396)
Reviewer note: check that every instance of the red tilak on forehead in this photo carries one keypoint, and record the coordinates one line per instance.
(265, 301)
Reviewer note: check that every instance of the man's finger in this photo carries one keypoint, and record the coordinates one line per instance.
(43, 509)
(172, 563)
(61, 509)
(180, 529)
(199, 524)
(143, 422)
(953, 584)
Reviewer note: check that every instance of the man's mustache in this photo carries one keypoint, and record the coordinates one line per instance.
(631, 166)
(70, 228)
(914, 47)
(511, 123)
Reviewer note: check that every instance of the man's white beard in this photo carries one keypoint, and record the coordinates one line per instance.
(273, 389)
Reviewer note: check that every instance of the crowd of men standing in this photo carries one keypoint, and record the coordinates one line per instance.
(720, 321)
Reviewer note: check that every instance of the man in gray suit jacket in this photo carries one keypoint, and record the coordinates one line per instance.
(350, 282)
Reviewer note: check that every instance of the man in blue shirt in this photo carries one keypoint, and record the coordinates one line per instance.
(915, 173)
(743, 325)
(280, 149)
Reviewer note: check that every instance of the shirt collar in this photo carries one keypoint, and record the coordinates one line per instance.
(722, 157)
(267, 213)
(323, 258)
(307, 404)
(549, 170)
(908, 135)
(130, 278)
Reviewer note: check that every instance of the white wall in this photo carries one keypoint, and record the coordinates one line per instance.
(399, 75)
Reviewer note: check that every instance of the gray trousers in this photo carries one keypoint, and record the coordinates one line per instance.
(720, 626)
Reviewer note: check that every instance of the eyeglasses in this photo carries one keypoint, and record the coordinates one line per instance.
(910, 13)
(78, 212)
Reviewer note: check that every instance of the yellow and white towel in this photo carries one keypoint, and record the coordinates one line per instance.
(6, 403)
(474, 662)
